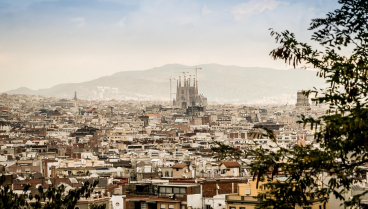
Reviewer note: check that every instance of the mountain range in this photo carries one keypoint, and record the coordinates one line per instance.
(216, 82)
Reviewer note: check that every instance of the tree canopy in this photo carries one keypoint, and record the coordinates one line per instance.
(51, 198)
(342, 132)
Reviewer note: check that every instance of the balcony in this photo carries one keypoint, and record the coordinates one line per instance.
(242, 199)
(177, 196)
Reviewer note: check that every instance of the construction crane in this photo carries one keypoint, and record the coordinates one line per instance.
(185, 79)
(183, 74)
(196, 75)
(180, 77)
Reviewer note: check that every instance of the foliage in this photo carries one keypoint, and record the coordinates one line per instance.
(342, 133)
(97, 206)
(51, 198)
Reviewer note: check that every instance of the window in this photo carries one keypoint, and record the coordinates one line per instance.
(166, 190)
(162, 206)
(208, 206)
(307, 207)
(144, 206)
(171, 206)
(232, 207)
(169, 190)
(247, 192)
(242, 208)
(183, 190)
(176, 190)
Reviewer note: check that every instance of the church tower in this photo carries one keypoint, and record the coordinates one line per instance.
(75, 96)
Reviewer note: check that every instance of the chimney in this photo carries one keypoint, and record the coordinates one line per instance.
(45, 169)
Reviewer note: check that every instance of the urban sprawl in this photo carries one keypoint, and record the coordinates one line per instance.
(145, 154)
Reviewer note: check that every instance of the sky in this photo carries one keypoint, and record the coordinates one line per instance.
(48, 42)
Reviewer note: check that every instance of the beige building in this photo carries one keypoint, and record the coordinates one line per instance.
(181, 171)
(230, 169)
(247, 198)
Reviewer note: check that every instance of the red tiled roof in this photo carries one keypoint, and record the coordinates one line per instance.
(232, 164)
(179, 166)
(4, 108)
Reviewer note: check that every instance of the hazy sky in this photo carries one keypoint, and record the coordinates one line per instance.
(48, 42)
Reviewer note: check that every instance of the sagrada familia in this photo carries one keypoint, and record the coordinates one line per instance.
(187, 94)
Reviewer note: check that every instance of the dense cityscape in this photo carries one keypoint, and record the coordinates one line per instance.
(195, 104)
(144, 154)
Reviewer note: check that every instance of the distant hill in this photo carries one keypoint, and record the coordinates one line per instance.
(217, 82)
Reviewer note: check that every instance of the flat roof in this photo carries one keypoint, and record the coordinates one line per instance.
(178, 185)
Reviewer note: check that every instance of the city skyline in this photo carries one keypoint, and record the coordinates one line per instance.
(184, 104)
(45, 42)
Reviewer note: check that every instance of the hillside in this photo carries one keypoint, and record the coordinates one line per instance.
(217, 82)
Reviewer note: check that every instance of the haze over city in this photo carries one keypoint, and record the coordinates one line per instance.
(184, 104)
(45, 43)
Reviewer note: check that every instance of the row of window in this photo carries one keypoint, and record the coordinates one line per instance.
(173, 190)
(286, 137)
(163, 206)
(320, 207)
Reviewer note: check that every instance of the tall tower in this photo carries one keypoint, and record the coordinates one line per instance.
(302, 100)
(75, 96)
